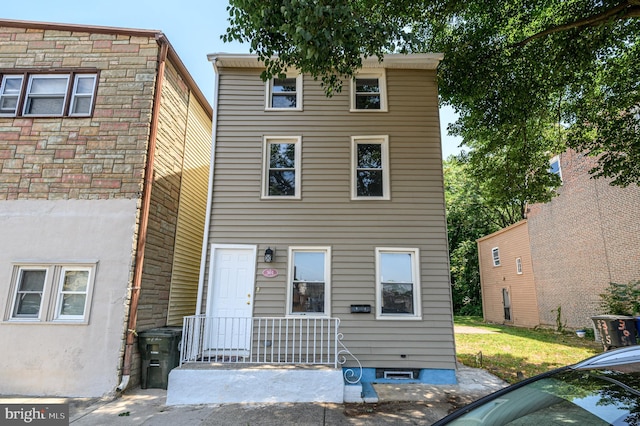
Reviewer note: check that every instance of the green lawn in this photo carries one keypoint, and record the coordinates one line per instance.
(508, 351)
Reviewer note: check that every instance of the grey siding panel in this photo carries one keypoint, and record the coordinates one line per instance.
(326, 216)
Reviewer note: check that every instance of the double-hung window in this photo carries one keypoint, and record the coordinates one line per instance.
(51, 292)
(368, 91)
(284, 93)
(309, 281)
(48, 95)
(10, 88)
(398, 283)
(495, 255)
(370, 168)
(72, 298)
(281, 176)
(27, 302)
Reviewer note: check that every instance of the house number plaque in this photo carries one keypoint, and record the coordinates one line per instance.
(270, 273)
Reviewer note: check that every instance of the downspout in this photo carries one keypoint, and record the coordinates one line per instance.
(144, 218)
(207, 220)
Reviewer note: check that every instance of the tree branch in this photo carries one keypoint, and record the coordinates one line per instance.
(625, 10)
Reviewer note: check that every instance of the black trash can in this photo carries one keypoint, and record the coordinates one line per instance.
(615, 330)
(159, 351)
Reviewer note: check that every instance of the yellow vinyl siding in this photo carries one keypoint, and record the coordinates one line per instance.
(191, 215)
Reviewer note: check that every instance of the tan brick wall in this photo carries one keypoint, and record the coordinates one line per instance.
(80, 158)
(583, 239)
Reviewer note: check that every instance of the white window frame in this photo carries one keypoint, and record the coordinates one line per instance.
(52, 292)
(69, 98)
(75, 95)
(519, 265)
(15, 289)
(495, 256)
(383, 141)
(61, 293)
(58, 95)
(269, 94)
(266, 154)
(556, 159)
(4, 94)
(381, 75)
(415, 271)
(327, 280)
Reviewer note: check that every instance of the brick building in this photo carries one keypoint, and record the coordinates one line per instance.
(583, 239)
(104, 163)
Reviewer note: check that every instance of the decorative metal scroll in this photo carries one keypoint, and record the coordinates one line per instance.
(351, 375)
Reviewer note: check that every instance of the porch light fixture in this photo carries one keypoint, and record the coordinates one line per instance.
(268, 255)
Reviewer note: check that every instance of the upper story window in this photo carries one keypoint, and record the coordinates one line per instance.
(284, 93)
(51, 293)
(281, 176)
(368, 91)
(554, 166)
(48, 95)
(370, 168)
(518, 265)
(398, 283)
(10, 94)
(495, 254)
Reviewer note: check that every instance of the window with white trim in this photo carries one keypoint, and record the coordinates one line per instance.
(11, 86)
(495, 254)
(397, 283)
(284, 93)
(48, 95)
(554, 167)
(72, 293)
(281, 175)
(518, 265)
(51, 292)
(369, 91)
(27, 302)
(370, 168)
(309, 282)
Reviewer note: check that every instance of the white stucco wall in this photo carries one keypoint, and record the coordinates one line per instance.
(66, 359)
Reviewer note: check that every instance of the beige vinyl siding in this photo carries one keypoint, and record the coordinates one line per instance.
(326, 216)
(513, 243)
(191, 215)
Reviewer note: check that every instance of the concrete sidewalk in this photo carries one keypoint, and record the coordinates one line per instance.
(398, 404)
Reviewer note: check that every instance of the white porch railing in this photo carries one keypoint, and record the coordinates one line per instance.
(265, 340)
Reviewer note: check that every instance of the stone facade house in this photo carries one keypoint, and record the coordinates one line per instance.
(104, 162)
(579, 242)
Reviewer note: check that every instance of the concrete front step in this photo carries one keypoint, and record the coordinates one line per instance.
(203, 383)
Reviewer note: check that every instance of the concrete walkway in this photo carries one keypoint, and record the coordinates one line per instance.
(398, 404)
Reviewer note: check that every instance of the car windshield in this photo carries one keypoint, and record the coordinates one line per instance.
(583, 397)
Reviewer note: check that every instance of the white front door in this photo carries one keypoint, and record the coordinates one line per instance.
(230, 297)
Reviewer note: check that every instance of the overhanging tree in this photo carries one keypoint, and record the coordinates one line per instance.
(510, 65)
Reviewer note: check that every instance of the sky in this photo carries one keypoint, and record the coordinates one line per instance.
(193, 28)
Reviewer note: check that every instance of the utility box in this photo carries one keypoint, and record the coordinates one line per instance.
(160, 353)
(615, 330)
